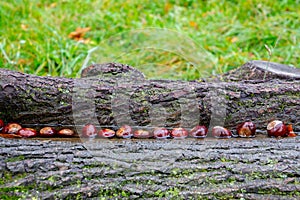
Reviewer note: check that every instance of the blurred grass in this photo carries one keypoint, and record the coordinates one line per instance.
(34, 34)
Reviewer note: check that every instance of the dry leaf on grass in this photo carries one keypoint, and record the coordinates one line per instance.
(24, 27)
(193, 24)
(79, 33)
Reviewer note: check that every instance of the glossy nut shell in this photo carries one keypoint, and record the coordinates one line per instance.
(179, 133)
(161, 133)
(141, 134)
(106, 133)
(199, 132)
(47, 132)
(27, 132)
(124, 132)
(277, 128)
(89, 131)
(12, 128)
(246, 129)
(221, 132)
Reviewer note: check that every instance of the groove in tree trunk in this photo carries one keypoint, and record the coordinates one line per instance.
(253, 168)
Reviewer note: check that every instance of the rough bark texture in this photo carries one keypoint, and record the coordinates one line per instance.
(260, 168)
(257, 168)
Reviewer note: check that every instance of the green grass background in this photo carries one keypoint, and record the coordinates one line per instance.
(231, 32)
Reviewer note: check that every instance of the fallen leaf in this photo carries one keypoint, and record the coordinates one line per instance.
(167, 7)
(79, 33)
(24, 27)
(53, 5)
(22, 61)
(193, 24)
(234, 39)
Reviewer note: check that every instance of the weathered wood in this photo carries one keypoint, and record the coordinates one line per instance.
(259, 168)
(113, 94)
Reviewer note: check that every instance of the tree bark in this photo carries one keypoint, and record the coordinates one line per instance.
(115, 94)
(260, 168)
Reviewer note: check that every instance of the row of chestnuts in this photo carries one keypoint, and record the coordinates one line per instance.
(275, 128)
(125, 131)
(90, 131)
(247, 129)
(16, 130)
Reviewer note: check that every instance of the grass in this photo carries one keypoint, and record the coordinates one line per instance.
(199, 37)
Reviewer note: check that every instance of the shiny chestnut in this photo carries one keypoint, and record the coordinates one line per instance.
(89, 131)
(141, 134)
(65, 132)
(179, 133)
(277, 128)
(246, 129)
(106, 133)
(47, 132)
(221, 132)
(1, 125)
(12, 128)
(199, 132)
(27, 132)
(161, 133)
(124, 131)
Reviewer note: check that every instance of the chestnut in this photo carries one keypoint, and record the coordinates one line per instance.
(161, 133)
(124, 131)
(141, 134)
(179, 133)
(106, 133)
(47, 132)
(1, 125)
(290, 131)
(65, 132)
(199, 132)
(27, 132)
(12, 128)
(246, 129)
(221, 132)
(89, 131)
(277, 128)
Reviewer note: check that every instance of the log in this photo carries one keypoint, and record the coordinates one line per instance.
(260, 168)
(115, 94)
(237, 168)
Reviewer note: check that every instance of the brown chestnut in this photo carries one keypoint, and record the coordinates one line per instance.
(179, 133)
(1, 125)
(221, 132)
(27, 132)
(161, 133)
(89, 131)
(141, 134)
(106, 133)
(246, 129)
(12, 128)
(47, 132)
(199, 132)
(290, 131)
(277, 128)
(124, 131)
(65, 132)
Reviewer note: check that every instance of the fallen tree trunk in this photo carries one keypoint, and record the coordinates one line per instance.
(116, 94)
(252, 168)
(260, 168)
